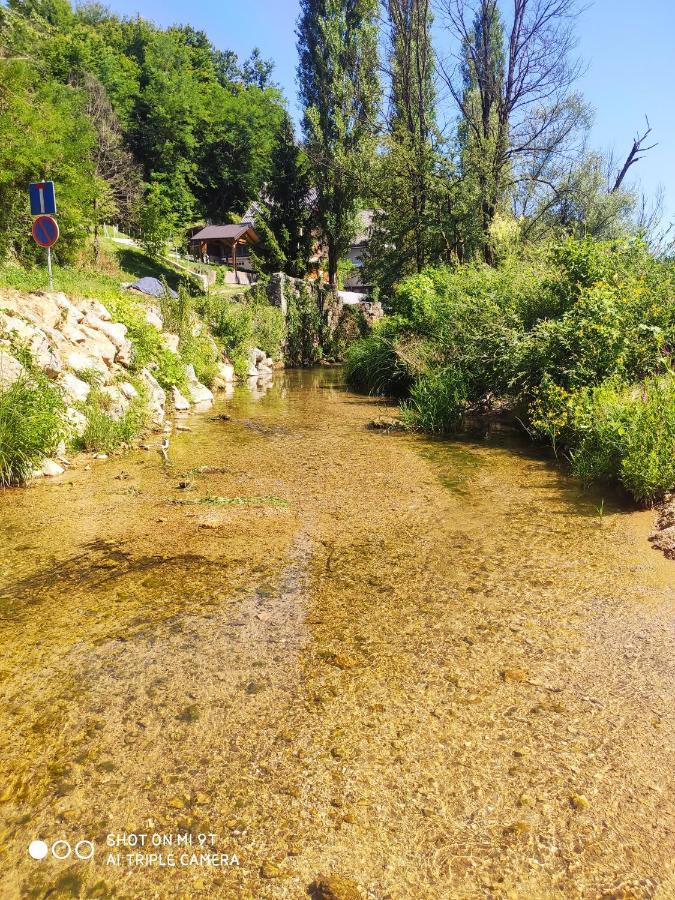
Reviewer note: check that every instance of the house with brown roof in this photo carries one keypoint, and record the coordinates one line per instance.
(226, 244)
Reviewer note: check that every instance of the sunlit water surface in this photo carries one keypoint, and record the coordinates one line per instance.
(437, 669)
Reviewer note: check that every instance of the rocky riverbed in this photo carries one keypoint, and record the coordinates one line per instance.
(357, 662)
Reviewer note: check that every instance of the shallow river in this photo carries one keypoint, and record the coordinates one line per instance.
(437, 670)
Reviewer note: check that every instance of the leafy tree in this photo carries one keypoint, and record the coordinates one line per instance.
(411, 178)
(339, 88)
(157, 220)
(288, 199)
(257, 71)
(44, 133)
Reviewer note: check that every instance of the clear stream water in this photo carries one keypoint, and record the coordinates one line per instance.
(433, 669)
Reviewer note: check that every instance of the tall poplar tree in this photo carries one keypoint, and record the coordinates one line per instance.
(405, 229)
(339, 88)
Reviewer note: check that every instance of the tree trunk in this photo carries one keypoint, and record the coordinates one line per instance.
(332, 265)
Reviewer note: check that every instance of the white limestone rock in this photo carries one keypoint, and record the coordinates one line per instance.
(153, 316)
(171, 341)
(77, 421)
(74, 388)
(10, 369)
(198, 392)
(115, 404)
(51, 468)
(179, 401)
(156, 396)
(128, 390)
(225, 375)
(99, 345)
(79, 361)
(95, 308)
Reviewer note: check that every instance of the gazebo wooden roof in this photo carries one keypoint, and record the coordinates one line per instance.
(228, 236)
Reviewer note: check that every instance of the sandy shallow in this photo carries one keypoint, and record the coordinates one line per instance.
(433, 669)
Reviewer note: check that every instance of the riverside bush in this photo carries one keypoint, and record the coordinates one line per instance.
(249, 322)
(31, 426)
(578, 337)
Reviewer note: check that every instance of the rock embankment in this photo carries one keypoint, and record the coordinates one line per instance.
(663, 536)
(77, 344)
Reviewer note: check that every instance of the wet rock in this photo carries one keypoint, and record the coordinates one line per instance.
(334, 887)
(51, 468)
(386, 423)
(179, 401)
(513, 674)
(189, 714)
(519, 827)
(156, 397)
(579, 801)
(74, 388)
(198, 392)
(272, 870)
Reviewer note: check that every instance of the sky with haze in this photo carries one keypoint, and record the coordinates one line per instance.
(628, 48)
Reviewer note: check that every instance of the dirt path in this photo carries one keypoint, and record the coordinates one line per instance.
(437, 672)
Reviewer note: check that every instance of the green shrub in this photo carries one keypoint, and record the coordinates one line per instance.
(571, 335)
(437, 402)
(614, 432)
(648, 461)
(374, 366)
(201, 352)
(303, 328)
(31, 426)
(249, 322)
(104, 433)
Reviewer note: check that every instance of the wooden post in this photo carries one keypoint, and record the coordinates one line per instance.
(234, 261)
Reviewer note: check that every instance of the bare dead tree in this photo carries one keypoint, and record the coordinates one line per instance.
(637, 152)
(514, 86)
(114, 164)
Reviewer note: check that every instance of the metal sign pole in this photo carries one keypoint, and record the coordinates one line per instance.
(49, 268)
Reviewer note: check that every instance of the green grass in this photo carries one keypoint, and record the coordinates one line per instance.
(123, 264)
(31, 426)
(103, 433)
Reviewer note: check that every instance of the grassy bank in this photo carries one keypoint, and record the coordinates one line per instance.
(578, 339)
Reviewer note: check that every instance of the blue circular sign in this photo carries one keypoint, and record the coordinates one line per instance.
(45, 231)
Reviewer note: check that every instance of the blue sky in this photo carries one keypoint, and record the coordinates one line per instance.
(628, 47)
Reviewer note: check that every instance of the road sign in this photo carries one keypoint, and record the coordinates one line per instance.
(42, 198)
(45, 231)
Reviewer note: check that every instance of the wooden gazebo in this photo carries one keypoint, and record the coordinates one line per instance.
(223, 243)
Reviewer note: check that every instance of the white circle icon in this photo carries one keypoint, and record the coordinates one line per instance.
(38, 849)
(61, 850)
(84, 850)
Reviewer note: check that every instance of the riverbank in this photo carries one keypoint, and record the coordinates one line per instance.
(576, 337)
(435, 670)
